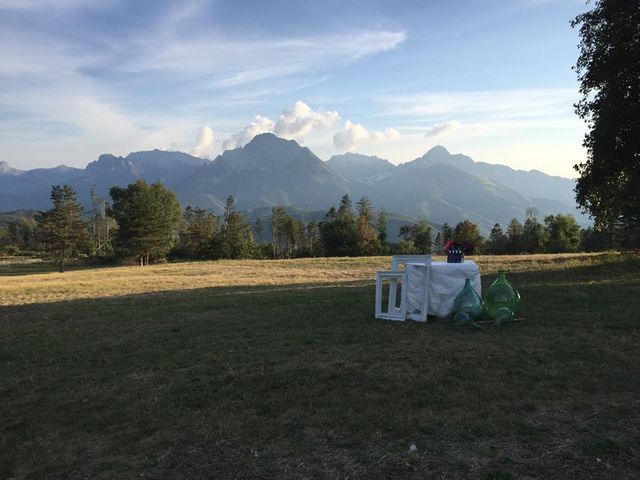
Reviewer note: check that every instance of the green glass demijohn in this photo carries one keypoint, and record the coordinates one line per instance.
(501, 301)
(467, 306)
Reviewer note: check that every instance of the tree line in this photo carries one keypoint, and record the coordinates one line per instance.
(144, 223)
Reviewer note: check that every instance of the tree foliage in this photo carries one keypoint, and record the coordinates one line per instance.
(199, 234)
(236, 238)
(149, 217)
(497, 241)
(416, 238)
(338, 230)
(366, 234)
(608, 68)
(447, 233)
(62, 228)
(564, 233)
(467, 231)
(381, 225)
(515, 237)
(534, 234)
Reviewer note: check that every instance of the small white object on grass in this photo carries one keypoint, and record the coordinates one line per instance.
(413, 448)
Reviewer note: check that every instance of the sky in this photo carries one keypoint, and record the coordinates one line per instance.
(491, 79)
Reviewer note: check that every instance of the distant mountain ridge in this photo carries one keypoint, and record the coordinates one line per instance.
(361, 168)
(268, 171)
(271, 171)
(533, 184)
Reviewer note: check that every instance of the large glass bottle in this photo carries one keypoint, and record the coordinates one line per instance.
(501, 301)
(467, 307)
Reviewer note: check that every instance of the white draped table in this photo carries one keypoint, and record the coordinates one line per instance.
(447, 280)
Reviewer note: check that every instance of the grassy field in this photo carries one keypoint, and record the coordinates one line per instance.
(276, 369)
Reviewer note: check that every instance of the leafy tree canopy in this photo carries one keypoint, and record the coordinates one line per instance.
(149, 217)
(608, 69)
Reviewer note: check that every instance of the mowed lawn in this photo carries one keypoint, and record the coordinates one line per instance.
(277, 369)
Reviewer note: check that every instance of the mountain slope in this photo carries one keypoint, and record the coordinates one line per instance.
(361, 168)
(31, 189)
(272, 171)
(550, 194)
(268, 171)
(444, 193)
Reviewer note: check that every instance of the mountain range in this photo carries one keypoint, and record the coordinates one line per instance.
(270, 171)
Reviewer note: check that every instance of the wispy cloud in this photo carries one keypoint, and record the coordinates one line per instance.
(230, 62)
(122, 86)
(441, 129)
(504, 103)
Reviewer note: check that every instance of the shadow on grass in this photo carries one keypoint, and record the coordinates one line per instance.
(299, 381)
(40, 267)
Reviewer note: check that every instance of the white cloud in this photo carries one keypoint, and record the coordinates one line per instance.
(259, 125)
(441, 129)
(300, 119)
(386, 136)
(352, 135)
(355, 134)
(293, 123)
(128, 85)
(205, 144)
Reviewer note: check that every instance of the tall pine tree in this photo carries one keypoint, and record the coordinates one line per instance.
(62, 228)
(236, 238)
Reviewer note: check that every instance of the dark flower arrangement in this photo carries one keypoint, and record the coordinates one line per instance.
(456, 250)
(458, 247)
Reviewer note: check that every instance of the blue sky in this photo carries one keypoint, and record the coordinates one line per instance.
(490, 79)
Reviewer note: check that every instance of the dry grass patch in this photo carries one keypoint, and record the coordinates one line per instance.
(86, 282)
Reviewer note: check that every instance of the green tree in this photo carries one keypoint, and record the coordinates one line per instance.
(381, 225)
(236, 238)
(438, 244)
(21, 233)
(467, 231)
(312, 240)
(515, 237)
(416, 238)
(259, 229)
(564, 233)
(198, 238)
(367, 237)
(534, 233)
(62, 228)
(338, 230)
(422, 236)
(497, 242)
(148, 217)
(279, 237)
(447, 233)
(101, 227)
(592, 240)
(608, 68)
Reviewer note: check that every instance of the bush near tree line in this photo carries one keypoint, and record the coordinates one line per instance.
(144, 223)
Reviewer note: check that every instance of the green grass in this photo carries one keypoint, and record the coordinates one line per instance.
(258, 382)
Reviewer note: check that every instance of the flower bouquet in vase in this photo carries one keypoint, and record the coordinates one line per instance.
(455, 250)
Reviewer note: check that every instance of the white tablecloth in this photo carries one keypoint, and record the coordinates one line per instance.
(447, 280)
